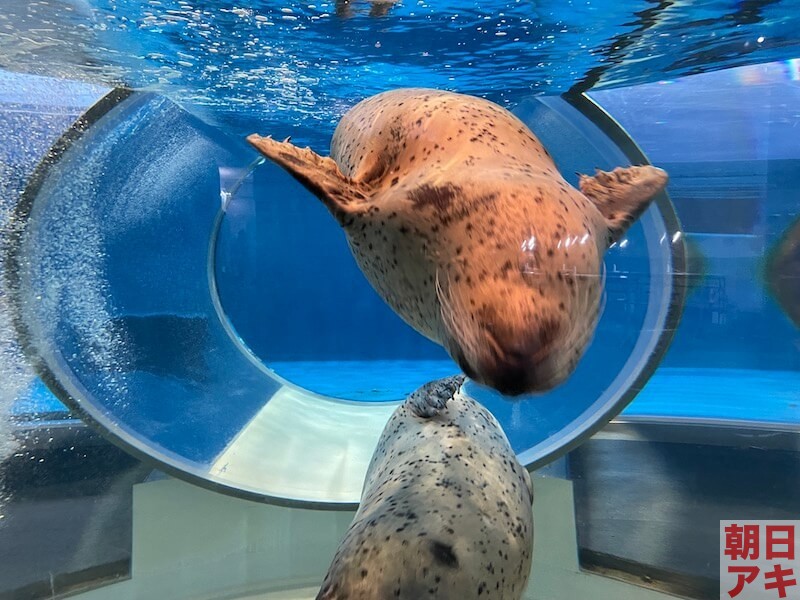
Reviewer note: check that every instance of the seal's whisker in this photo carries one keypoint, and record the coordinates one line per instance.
(450, 309)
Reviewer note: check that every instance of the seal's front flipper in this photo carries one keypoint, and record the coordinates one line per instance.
(432, 397)
(320, 175)
(623, 194)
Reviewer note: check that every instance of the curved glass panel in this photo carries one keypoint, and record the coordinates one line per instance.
(729, 142)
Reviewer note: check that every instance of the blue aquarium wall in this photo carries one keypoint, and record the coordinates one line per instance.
(728, 140)
(730, 143)
(289, 284)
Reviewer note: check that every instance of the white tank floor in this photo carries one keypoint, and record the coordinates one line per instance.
(193, 544)
(298, 594)
(293, 448)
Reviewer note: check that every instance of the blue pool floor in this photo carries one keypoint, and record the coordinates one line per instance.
(730, 394)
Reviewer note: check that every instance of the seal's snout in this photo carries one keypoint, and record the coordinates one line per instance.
(525, 363)
(520, 349)
(513, 377)
(515, 362)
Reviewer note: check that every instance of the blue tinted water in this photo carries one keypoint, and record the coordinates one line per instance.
(295, 68)
(729, 142)
(717, 394)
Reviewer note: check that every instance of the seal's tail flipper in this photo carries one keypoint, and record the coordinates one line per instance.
(320, 175)
(623, 194)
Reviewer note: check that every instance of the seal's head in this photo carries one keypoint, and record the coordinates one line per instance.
(528, 332)
(523, 328)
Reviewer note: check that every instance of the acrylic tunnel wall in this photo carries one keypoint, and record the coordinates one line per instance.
(728, 140)
(203, 310)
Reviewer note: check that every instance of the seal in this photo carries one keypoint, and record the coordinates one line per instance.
(378, 8)
(446, 508)
(459, 218)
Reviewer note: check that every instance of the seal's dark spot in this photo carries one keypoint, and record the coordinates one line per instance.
(438, 197)
(444, 555)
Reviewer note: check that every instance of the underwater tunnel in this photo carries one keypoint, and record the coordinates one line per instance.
(180, 318)
(197, 305)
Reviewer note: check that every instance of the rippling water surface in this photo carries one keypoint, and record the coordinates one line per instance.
(297, 66)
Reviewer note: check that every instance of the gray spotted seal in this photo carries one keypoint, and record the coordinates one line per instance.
(445, 512)
(460, 220)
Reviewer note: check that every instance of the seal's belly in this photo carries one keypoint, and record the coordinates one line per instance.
(403, 276)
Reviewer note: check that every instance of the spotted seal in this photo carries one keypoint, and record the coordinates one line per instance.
(445, 512)
(378, 8)
(460, 220)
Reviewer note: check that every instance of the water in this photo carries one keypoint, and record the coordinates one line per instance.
(734, 187)
(146, 238)
(169, 307)
(295, 67)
